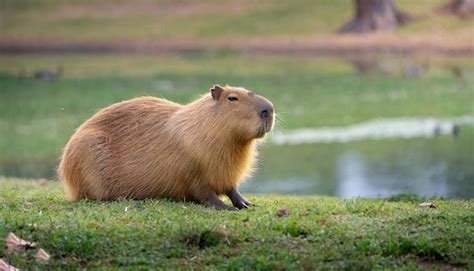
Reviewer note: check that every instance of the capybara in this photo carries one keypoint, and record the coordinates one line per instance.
(153, 148)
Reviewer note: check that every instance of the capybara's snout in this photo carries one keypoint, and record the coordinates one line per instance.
(266, 114)
(266, 111)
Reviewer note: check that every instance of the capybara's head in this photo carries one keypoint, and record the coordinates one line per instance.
(248, 114)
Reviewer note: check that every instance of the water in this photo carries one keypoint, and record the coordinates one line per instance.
(437, 165)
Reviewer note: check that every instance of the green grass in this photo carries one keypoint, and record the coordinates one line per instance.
(320, 233)
(144, 20)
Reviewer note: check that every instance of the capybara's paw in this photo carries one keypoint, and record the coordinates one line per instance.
(237, 199)
(241, 204)
(248, 203)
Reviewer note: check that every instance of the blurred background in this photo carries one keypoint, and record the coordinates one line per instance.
(375, 97)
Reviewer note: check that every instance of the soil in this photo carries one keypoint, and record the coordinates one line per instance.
(347, 45)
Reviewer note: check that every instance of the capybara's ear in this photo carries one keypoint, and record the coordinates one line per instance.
(216, 92)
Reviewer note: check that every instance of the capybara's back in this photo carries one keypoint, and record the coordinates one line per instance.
(149, 147)
(101, 159)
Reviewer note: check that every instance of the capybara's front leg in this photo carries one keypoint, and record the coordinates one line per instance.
(213, 201)
(237, 199)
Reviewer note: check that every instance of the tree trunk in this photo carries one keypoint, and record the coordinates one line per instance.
(462, 8)
(374, 15)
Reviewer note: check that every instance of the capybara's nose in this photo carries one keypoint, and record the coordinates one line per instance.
(266, 111)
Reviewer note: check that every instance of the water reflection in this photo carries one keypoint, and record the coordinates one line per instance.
(355, 178)
(29, 168)
(438, 166)
(294, 185)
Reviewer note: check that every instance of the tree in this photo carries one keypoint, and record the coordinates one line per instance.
(462, 8)
(374, 15)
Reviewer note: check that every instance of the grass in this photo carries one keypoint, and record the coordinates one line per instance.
(164, 20)
(320, 233)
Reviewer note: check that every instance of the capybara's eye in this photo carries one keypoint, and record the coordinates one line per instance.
(232, 98)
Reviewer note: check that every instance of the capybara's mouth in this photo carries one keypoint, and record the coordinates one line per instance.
(269, 124)
(265, 127)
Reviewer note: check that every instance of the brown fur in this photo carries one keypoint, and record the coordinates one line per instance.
(149, 147)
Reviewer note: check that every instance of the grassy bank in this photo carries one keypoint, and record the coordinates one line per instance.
(144, 20)
(320, 232)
